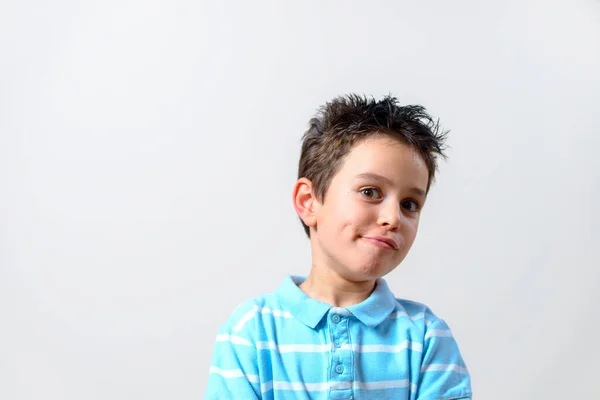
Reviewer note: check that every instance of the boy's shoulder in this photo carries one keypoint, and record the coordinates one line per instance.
(268, 300)
(416, 310)
(421, 316)
(412, 306)
(267, 303)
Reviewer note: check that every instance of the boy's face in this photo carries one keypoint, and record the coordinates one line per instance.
(374, 198)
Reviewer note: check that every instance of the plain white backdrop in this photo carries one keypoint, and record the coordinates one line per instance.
(148, 151)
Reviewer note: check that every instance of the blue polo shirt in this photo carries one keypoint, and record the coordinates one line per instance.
(286, 345)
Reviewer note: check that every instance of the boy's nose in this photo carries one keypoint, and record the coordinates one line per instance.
(390, 217)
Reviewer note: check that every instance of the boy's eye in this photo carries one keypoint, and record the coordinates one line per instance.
(411, 205)
(371, 193)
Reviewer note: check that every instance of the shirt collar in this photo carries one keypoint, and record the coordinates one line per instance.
(376, 308)
(304, 308)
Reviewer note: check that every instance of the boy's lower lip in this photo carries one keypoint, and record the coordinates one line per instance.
(379, 243)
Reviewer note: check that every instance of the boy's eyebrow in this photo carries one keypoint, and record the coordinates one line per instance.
(387, 181)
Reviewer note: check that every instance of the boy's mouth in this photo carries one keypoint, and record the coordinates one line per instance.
(383, 241)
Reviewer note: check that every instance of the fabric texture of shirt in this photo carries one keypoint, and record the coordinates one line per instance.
(286, 345)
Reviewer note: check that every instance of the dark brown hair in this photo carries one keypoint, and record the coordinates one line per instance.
(344, 121)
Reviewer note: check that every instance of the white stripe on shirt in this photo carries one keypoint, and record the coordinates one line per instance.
(438, 333)
(325, 386)
(234, 373)
(262, 310)
(226, 337)
(444, 367)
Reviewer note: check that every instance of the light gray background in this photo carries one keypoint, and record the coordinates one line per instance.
(148, 151)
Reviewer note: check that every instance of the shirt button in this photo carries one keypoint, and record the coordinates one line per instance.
(339, 368)
(337, 343)
(336, 318)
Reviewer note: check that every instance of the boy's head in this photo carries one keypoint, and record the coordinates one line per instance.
(365, 169)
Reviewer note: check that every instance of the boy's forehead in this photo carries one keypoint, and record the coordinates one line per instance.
(383, 153)
(386, 160)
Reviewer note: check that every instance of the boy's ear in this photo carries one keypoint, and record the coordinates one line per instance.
(304, 201)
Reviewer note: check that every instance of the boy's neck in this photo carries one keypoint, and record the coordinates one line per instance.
(328, 287)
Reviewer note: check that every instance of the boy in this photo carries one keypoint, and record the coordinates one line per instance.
(364, 173)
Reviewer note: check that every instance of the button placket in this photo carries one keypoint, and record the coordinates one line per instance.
(341, 360)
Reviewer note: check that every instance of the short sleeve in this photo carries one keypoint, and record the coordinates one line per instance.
(234, 372)
(443, 374)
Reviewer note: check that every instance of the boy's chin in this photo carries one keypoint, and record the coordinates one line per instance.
(368, 272)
